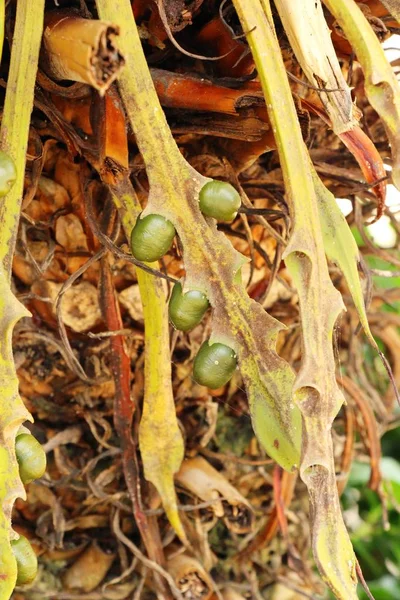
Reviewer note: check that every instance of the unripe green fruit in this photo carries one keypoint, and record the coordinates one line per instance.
(26, 560)
(8, 173)
(186, 310)
(30, 456)
(214, 365)
(151, 238)
(219, 200)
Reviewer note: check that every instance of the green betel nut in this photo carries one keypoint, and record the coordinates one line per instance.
(30, 456)
(186, 310)
(26, 560)
(214, 365)
(151, 238)
(219, 200)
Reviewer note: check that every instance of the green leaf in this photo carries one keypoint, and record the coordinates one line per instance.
(360, 472)
(390, 469)
(375, 262)
(341, 248)
(385, 588)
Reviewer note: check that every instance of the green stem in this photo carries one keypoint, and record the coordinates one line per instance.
(140, 97)
(160, 440)
(14, 141)
(18, 105)
(281, 109)
(2, 22)
(315, 391)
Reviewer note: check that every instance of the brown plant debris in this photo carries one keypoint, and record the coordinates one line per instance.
(98, 527)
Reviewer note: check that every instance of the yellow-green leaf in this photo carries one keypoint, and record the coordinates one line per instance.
(211, 262)
(160, 440)
(341, 248)
(330, 537)
(315, 391)
(14, 141)
(12, 414)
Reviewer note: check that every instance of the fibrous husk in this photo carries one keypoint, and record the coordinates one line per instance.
(190, 578)
(82, 50)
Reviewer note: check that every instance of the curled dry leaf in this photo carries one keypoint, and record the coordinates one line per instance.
(82, 50)
(24, 267)
(231, 594)
(70, 435)
(309, 36)
(80, 308)
(176, 90)
(89, 570)
(190, 578)
(371, 164)
(66, 554)
(381, 85)
(87, 522)
(265, 535)
(43, 495)
(208, 484)
(50, 197)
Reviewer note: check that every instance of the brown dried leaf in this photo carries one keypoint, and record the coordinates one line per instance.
(205, 482)
(89, 570)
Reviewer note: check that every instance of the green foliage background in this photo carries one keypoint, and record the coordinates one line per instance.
(377, 549)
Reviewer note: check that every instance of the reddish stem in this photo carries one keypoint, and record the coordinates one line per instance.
(124, 410)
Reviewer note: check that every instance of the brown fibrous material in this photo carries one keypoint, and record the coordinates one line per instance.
(83, 50)
(190, 577)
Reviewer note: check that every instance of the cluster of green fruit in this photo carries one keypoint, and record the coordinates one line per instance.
(151, 238)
